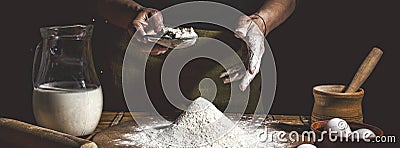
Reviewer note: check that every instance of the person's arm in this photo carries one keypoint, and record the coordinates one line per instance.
(271, 14)
(275, 12)
(119, 12)
(132, 16)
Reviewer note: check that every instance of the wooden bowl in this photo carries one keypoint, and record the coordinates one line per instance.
(318, 127)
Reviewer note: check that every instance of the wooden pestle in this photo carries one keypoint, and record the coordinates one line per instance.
(15, 133)
(365, 70)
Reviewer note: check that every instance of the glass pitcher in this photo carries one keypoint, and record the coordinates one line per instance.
(67, 94)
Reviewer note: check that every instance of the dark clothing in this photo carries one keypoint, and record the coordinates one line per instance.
(110, 45)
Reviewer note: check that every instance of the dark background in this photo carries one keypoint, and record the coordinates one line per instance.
(323, 42)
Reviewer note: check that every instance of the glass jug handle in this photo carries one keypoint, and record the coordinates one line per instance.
(36, 62)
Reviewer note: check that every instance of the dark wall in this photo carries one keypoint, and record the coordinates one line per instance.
(323, 42)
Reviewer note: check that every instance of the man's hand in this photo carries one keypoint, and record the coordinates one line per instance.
(251, 29)
(271, 14)
(144, 26)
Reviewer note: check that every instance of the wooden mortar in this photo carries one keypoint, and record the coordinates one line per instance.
(330, 102)
(339, 101)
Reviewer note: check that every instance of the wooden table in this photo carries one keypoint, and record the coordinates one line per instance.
(290, 122)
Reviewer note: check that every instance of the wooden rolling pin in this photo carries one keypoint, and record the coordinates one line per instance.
(365, 70)
(15, 133)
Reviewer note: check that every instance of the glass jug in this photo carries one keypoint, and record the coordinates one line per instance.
(67, 94)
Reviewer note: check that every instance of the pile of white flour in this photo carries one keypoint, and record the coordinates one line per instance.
(201, 125)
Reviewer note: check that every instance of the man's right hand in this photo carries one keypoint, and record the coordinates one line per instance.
(251, 31)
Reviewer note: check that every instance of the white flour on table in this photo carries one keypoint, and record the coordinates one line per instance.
(201, 125)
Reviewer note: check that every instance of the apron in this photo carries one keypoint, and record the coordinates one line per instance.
(110, 44)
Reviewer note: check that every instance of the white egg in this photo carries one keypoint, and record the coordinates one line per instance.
(364, 133)
(306, 146)
(338, 127)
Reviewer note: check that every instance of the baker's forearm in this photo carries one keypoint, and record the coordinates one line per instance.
(118, 12)
(275, 12)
